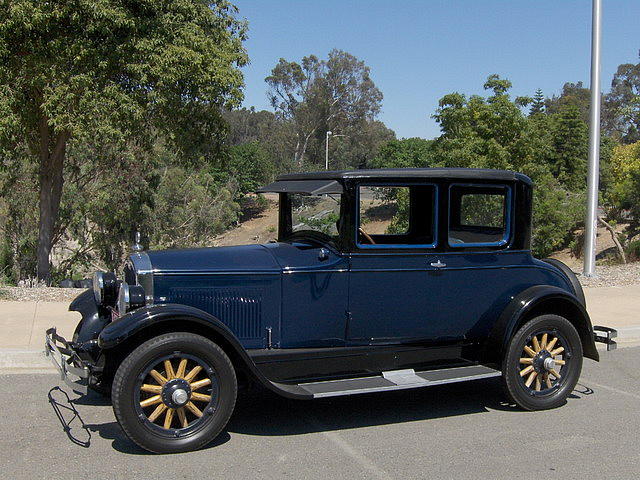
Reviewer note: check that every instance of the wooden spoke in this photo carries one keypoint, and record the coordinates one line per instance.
(526, 370)
(538, 384)
(551, 344)
(531, 378)
(529, 351)
(169, 370)
(559, 362)
(150, 401)
(536, 344)
(200, 397)
(543, 343)
(168, 418)
(200, 383)
(151, 388)
(182, 417)
(557, 351)
(157, 377)
(192, 374)
(182, 367)
(157, 412)
(554, 373)
(548, 380)
(526, 361)
(195, 410)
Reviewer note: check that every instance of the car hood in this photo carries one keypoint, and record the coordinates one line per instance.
(242, 258)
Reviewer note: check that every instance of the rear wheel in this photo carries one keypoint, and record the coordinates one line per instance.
(543, 363)
(174, 393)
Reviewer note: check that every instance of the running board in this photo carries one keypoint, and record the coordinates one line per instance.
(396, 380)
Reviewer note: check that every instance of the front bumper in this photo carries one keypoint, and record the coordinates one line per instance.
(67, 361)
(605, 335)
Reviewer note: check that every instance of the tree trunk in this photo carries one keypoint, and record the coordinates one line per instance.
(614, 237)
(50, 176)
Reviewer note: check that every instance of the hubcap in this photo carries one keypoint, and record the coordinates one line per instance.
(180, 397)
(542, 367)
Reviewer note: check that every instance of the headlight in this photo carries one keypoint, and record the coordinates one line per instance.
(130, 297)
(98, 286)
(105, 288)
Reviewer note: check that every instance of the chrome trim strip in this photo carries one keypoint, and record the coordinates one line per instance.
(210, 272)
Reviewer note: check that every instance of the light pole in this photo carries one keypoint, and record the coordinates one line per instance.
(326, 151)
(594, 146)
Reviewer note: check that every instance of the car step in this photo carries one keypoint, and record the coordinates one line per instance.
(397, 380)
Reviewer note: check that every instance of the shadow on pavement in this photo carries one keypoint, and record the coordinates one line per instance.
(263, 413)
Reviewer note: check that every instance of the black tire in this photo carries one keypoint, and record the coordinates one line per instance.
(539, 396)
(133, 376)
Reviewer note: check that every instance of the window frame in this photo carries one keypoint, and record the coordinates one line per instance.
(507, 218)
(398, 246)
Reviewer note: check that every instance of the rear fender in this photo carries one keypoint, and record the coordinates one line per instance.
(534, 301)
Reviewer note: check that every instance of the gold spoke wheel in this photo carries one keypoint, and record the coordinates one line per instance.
(153, 398)
(539, 365)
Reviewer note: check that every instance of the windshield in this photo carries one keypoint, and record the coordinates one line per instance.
(318, 213)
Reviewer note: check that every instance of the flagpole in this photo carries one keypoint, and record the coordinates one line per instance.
(594, 146)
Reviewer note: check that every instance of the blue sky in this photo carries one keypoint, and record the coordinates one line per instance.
(419, 51)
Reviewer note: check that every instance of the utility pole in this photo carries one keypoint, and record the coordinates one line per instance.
(594, 146)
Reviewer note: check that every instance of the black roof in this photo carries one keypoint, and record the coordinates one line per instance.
(391, 173)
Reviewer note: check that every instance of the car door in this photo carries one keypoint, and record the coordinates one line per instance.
(393, 287)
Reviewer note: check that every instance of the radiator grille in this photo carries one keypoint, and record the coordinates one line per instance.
(238, 308)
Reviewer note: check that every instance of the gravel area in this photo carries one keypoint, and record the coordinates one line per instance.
(39, 294)
(613, 276)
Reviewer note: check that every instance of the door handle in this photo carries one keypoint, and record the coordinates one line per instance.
(438, 264)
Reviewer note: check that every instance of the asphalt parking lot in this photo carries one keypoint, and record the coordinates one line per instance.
(451, 431)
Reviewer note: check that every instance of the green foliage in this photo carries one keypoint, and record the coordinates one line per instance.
(190, 208)
(622, 104)
(405, 153)
(537, 105)
(316, 96)
(249, 165)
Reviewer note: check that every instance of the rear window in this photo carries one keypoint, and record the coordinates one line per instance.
(479, 215)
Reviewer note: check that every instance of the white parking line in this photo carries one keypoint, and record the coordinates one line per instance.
(613, 389)
(361, 459)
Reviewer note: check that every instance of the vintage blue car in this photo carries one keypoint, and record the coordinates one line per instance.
(380, 280)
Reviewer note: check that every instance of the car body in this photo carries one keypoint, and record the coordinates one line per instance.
(380, 280)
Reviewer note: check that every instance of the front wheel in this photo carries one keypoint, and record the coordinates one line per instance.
(543, 363)
(174, 393)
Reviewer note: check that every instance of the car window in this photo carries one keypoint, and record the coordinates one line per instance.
(478, 215)
(396, 215)
(318, 213)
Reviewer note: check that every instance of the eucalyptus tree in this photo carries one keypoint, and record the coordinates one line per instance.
(316, 95)
(107, 70)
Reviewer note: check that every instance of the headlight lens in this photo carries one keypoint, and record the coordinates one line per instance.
(130, 297)
(98, 287)
(123, 298)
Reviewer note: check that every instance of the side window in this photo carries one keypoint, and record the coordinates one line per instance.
(399, 216)
(479, 215)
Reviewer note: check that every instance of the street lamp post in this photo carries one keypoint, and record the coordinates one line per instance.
(594, 146)
(326, 151)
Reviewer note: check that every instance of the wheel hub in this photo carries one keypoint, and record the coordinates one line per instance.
(176, 393)
(543, 362)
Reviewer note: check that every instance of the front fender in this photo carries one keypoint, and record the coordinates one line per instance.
(93, 320)
(539, 300)
(126, 327)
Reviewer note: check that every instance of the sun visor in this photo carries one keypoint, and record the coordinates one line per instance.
(305, 187)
